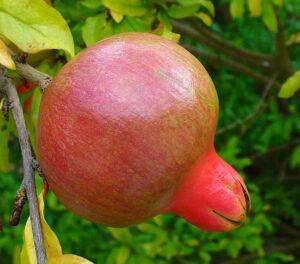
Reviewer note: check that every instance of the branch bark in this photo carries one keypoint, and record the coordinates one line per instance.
(208, 38)
(215, 60)
(29, 73)
(28, 182)
(283, 60)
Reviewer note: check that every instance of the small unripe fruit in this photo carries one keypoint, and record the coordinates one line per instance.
(126, 132)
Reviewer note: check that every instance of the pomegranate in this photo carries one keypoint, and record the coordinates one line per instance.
(126, 132)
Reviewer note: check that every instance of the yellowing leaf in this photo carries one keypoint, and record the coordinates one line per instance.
(116, 16)
(34, 26)
(205, 18)
(290, 86)
(269, 17)
(5, 58)
(294, 39)
(52, 244)
(255, 7)
(205, 3)
(68, 259)
(237, 8)
(278, 2)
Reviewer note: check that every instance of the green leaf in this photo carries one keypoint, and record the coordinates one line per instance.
(254, 7)
(290, 86)
(130, 24)
(4, 150)
(127, 7)
(205, 18)
(269, 17)
(92, 28)
(278, 2)
(121, 234)
(122, 255)
(34, 26)
(92, 4)
(295, 158)
(176, 11)
(205, 3)
(237, 8)
(294, 39)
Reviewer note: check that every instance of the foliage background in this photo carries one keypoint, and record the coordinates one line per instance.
(264, 148)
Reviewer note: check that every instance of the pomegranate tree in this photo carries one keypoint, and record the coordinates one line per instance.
(126, 132)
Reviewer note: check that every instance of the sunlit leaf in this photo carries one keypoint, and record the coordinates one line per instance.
(294, 39)
(205, 18)
(92, 28)
(93, 4)
(290, 86)
(116, 16)
(278, 2)
(176, 11)
(237, 8)
(121, 234)
(164, 31)
(5, 58)
(34, 26)
(130, 24)
(52, 244)
(254, 7)
(123, 254)
(295, 158)
(269, 17)
(127, 7)
(68, 259)
(205, 3)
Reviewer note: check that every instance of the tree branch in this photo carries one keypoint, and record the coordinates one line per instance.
(276, 148)
(28, 182)
(198, 32)
(257, 109)
(283, 60)
(215, 60)
(29, 73)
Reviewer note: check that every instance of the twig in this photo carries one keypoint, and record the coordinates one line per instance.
(255, 111)
(283, 60)
(42, 80)
(216, 60)
(19, 202)
(286, 179)
(28, 181)
(276, 148)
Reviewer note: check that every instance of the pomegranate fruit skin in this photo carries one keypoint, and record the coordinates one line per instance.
(124, 130)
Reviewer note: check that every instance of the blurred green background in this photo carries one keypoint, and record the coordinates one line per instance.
(258, 132)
